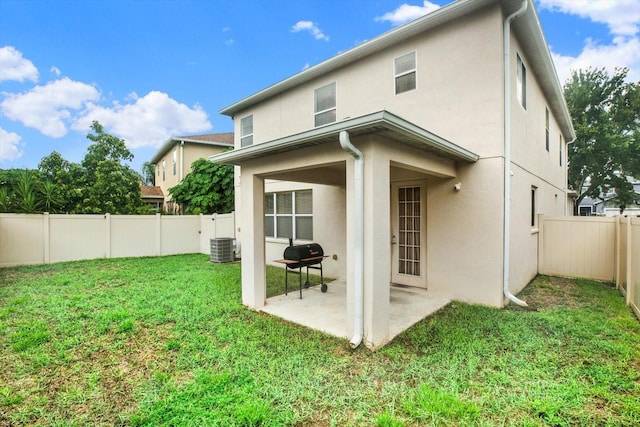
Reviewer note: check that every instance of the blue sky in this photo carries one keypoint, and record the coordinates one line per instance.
(152, 69)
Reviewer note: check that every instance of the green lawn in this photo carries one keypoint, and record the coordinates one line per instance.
(166, 341)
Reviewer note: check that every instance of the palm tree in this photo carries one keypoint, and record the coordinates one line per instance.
(26, 187)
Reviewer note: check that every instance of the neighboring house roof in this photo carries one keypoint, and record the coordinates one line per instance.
(214, 139)
(527, 28)
(382, 123)
(149, 192)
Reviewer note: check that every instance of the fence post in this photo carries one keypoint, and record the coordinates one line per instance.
(616, 253)
(107, 235)
(628, 272)
(46, 229)
(158, 234)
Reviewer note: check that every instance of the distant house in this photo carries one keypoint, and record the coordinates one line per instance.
(419, 159)
(606, 204)
(152, 196)
(173, 160)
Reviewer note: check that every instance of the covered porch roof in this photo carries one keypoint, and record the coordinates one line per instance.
(382, 123)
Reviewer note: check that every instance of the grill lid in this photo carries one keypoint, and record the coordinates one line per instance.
(300, 252)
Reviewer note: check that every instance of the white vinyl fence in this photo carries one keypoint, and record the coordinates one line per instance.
(43, 239)
(594, 248)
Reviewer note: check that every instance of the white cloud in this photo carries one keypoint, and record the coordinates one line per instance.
(9, 145)
(621, 16)
(147, 121)
(14, 67)
(407, 12)
(310, 27)
(624, 52)
(47, 108)
(55, 70)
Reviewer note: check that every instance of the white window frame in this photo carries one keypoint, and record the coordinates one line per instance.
(397, 75)
(534, 207)
(175, 162)
(164, 169)
(246, 139)
(317, 113)
(294, 215)
(547, 135)
(560, 148)
(521, 81)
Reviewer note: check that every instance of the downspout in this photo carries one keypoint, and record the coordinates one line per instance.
(358, 294)
(506, 232)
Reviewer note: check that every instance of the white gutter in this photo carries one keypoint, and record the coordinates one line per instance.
(506, 232)
(358, 294)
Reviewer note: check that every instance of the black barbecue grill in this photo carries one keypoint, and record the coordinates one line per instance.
(297, 257)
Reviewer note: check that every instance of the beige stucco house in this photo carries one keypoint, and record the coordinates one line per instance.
(401, 145)
(173, 160)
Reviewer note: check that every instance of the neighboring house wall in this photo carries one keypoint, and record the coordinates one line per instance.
(174, 159)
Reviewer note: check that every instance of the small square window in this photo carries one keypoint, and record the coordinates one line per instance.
(405, 72)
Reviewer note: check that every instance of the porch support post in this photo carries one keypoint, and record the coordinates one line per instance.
(253, 247)
(377, 252)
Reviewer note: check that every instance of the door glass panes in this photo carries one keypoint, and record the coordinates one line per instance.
(409, 230)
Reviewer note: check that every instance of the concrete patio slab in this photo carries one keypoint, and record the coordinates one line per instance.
(326, 312)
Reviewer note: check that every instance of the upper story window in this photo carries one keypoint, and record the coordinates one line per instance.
(546, 128)
(325, 104)
(175, 162)
(246, 131)
(289, 215)
(164, 168)
(521, 82)
(560, 149)
(405, 72)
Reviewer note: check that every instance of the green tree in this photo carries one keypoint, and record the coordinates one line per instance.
(207, 189)
(111, 186)
(67, 180)
(8, 180)
(606, 116)
(26, 192)
(148, 174)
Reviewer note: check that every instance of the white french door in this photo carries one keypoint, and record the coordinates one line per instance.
(409, 237)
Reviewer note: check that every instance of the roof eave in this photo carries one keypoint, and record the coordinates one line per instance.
(411, 133)
(530, 33)
(176, 140)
